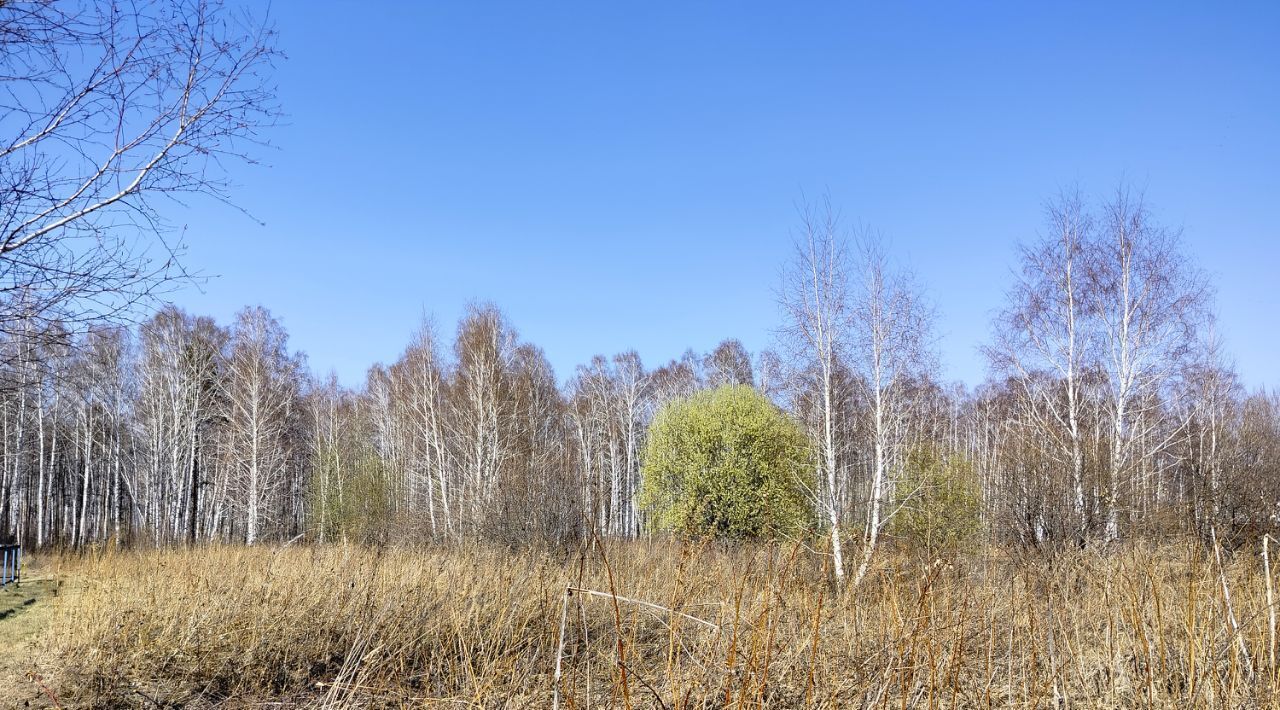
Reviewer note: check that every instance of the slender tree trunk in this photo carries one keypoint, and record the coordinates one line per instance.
(194, 502)
(116, 492)
(877, 490)
(833, 489)
(84, 491)
(40, 469)
(1113, 480)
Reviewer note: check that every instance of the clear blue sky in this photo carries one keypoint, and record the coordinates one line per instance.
(623, 175)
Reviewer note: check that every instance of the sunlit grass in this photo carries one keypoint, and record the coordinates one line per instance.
(354, 626)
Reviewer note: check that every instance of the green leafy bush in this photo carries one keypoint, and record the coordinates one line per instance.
(727, 462)
(938, 501)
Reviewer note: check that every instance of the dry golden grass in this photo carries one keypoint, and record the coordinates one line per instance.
(1141, 626)
(24, 612)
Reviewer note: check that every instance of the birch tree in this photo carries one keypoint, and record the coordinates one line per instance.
(106, 108)
(814, 299)
(890, 345)
(329, 409)
(262, 387)
(425, 377)
(1149, 303)
(1044, 344)
(1211, 408)
(179, 372)
(610, 408)
(481, 405)
(728, 364)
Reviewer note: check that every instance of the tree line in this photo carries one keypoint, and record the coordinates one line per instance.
(1111, 410)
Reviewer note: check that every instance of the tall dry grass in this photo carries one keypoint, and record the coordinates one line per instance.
(1143, 626)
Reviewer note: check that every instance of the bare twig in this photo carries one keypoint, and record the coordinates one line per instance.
(640, 602)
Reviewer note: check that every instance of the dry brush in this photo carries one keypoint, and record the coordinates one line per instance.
(348, 626)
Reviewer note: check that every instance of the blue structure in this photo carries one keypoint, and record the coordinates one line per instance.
(10, 563)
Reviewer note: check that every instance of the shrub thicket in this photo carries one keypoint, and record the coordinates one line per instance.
(938, 502)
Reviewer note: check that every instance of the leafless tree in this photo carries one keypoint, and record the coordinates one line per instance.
(611, 405)
(1149, 305)
(1043, 339)
(105, 108)
(815, 302)
(262, 398)
(728, 364)
(425, 378)
(770, 374)
(179, 400)
(889, 348)
(482, 405)
(1211, 409)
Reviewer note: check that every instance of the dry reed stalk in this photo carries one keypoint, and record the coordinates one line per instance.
(813, 643)
(1271, 605)
(564, 618)
(617, 619)
(1226, 600)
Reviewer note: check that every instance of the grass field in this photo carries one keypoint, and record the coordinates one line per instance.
(1140, 626)
(25, 610)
